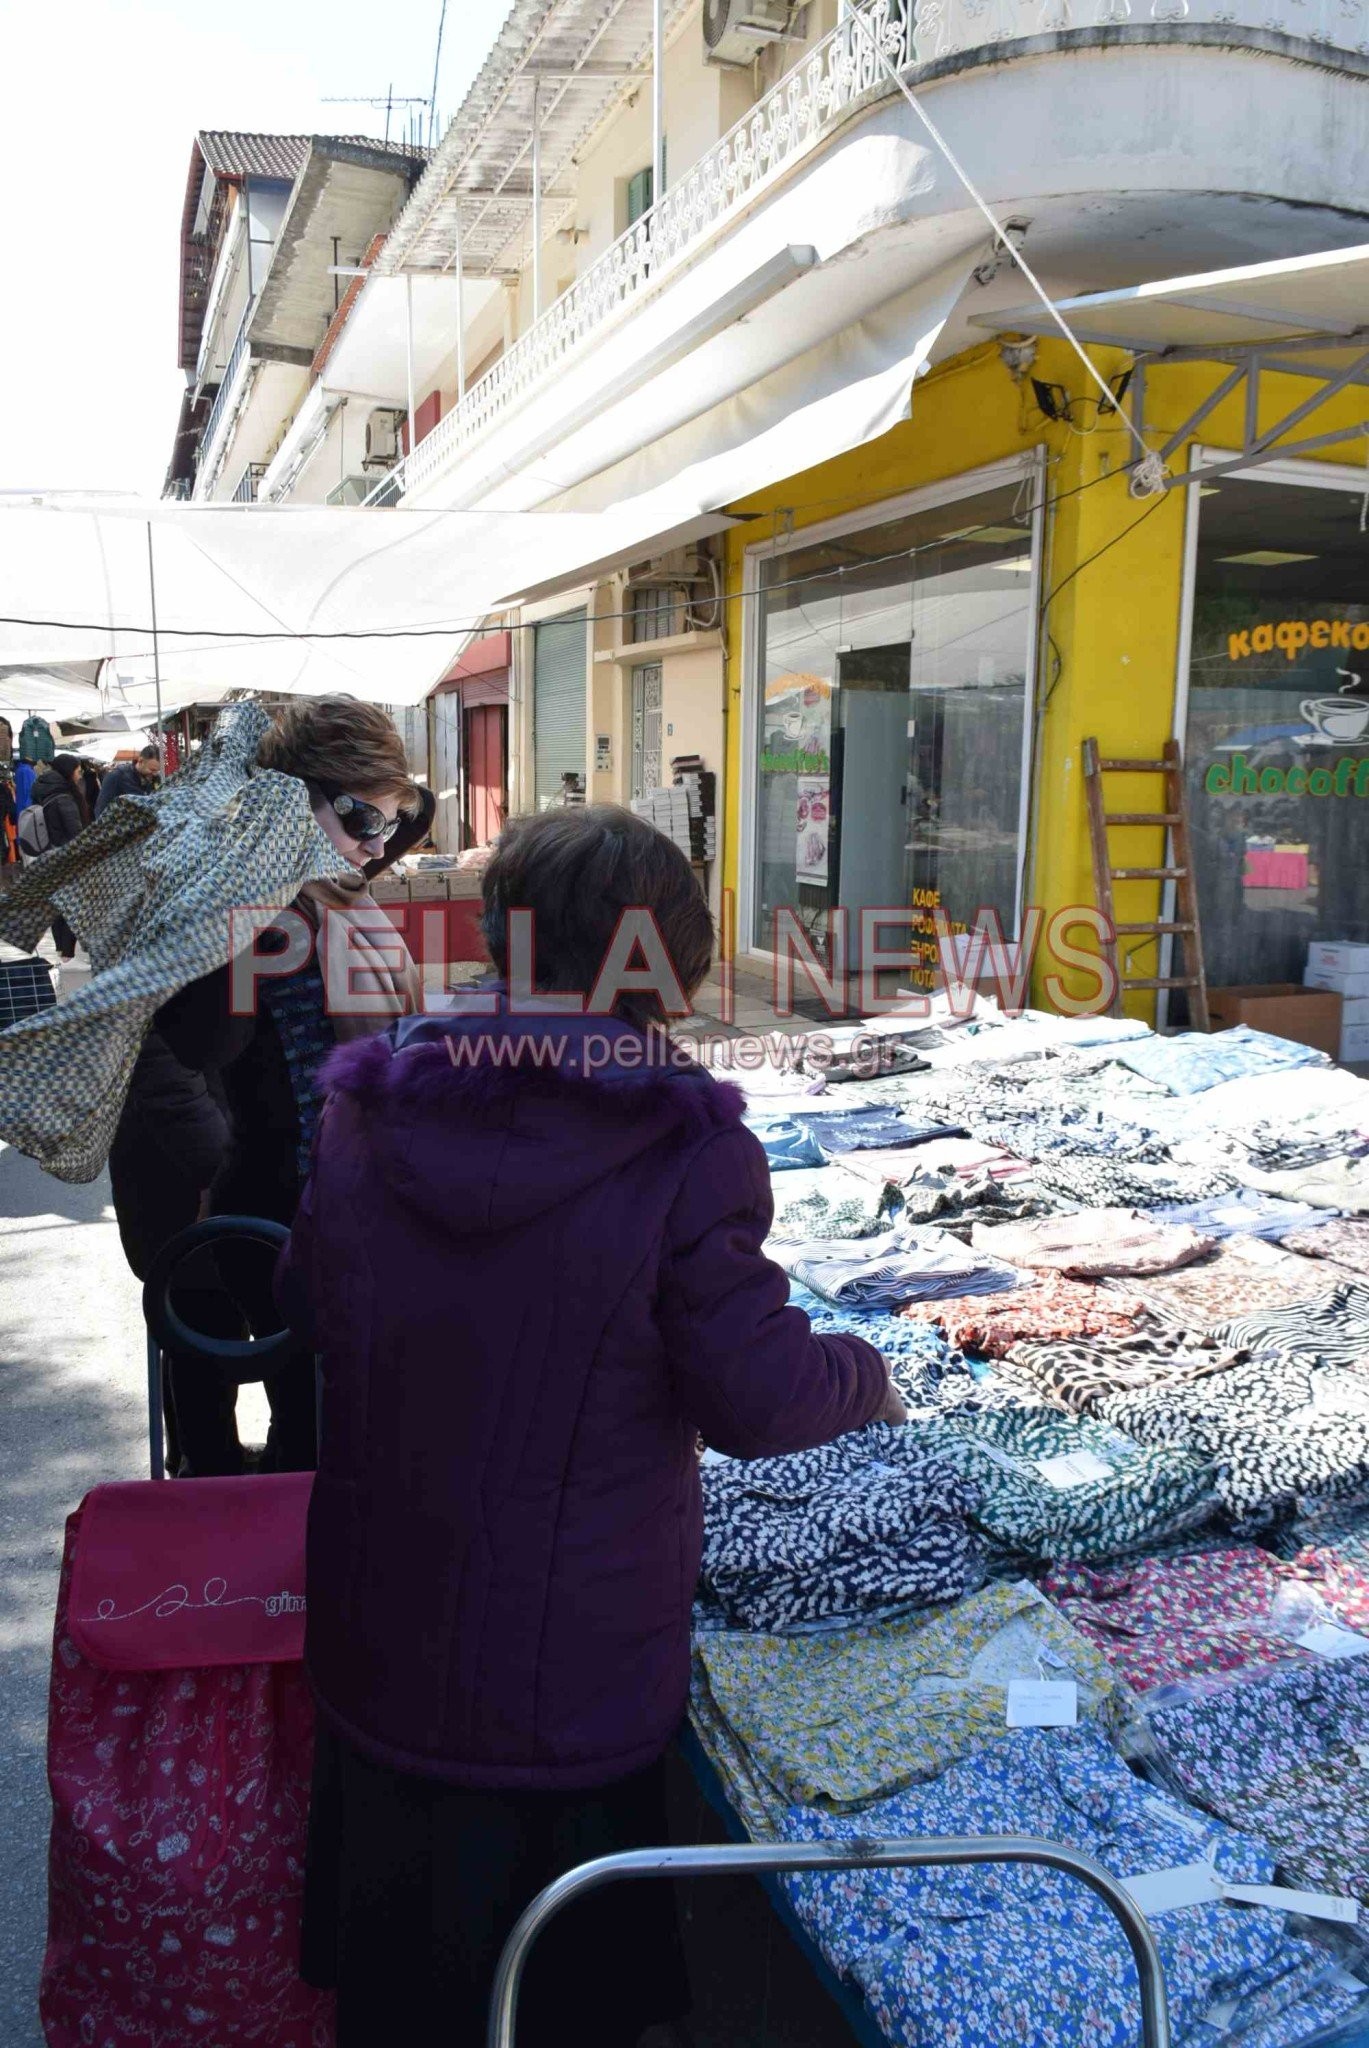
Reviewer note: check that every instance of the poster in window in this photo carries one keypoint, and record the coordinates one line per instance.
(813, 806)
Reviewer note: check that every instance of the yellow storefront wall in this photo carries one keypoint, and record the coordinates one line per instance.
(1111, 592)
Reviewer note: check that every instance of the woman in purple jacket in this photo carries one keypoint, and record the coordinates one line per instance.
(529, 1256)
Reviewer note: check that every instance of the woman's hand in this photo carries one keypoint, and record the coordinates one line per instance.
(893, 1410)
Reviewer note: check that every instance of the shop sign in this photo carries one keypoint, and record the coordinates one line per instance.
(1291, 636)
(1239, 777)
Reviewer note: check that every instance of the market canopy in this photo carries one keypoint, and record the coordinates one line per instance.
(1257, 304)
(273, 598)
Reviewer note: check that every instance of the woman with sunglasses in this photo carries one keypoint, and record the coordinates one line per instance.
(351, 758)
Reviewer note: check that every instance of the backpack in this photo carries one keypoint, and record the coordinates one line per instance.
(33, 832)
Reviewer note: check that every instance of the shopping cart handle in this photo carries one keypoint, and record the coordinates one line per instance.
(860, 1854)
(172, 1332)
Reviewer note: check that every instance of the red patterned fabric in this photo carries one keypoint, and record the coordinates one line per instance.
(180, 1801)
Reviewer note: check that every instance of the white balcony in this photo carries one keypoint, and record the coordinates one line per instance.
(1124, 126)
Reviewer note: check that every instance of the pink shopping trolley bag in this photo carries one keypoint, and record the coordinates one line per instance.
(180, 1741)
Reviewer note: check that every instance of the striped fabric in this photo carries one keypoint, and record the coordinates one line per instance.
(1334, 1328)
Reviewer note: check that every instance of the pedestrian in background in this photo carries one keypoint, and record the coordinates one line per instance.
(352, 759)
(130, 778)
(57, 792)
(529, 1255)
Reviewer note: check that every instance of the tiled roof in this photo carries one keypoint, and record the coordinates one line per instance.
(234, 153)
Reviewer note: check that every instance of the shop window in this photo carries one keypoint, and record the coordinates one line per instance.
(1277, 726)
(652, 612)
(892, 729)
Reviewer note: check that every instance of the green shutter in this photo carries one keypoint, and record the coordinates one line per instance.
(558, 705)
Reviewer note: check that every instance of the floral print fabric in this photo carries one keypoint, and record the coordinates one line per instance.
(1244, 1276)
(1192, 1061)
(1049, 1308)
(854, 1716)
(1342, 1240)
(1203, 1614)
(1281, 1756)
(1144, 1493)
(859, 1524)
(983, 1956)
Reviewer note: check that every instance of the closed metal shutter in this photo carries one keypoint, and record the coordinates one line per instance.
(558, 706)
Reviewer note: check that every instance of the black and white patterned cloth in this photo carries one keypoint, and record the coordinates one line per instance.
(149, 889)
(1131, 1183)
(1079, 1374)
(1280, 1431)
(1333, 1328)
(849, 1529)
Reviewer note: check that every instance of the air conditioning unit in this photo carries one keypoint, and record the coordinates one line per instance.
(735, 31)
(351, 491)
(382, 439)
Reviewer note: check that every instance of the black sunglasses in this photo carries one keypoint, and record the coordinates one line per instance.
(363, 821)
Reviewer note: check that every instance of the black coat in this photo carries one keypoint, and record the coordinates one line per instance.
(167, 1150)
(60, 807)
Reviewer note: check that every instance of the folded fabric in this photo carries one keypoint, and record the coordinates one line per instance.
(1201, 1615)
(827, 1202)
(1246, 1274)
(854, 1716)
(957, 1203)
(899, 1265)
(1340, 1184)
(1056, 1486)
(1339, 1239)
(896, 1336)
(1192, 1061)
(866, 1126)
(1046, 1309)
(1127, 1183)
(787, 1144)
(1276, 1430)
(1282, 1756)
(1332, 1327)
(965, 1156)
(1334, 1563)
(1079, 1373)
(995, 1953)
(864, 1523)
(1092, 1243)
(1247, 1212)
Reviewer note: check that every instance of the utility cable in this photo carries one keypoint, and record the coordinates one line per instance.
(1150, 471)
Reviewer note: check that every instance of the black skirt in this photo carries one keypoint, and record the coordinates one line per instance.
(412, 1887)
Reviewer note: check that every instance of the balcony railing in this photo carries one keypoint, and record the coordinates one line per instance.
(793, 118)
(783, 126)
(237, 358)
(248, 483)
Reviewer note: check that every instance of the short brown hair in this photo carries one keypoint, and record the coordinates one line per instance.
(339, 741)
(577, 870)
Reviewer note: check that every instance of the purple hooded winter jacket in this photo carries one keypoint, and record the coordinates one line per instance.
(531, 1286)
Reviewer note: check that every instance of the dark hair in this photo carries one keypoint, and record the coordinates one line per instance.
(577, 871)
(150, 754)
(340, 740)
(66, 765)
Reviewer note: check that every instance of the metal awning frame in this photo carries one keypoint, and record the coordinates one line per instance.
(1247, 365)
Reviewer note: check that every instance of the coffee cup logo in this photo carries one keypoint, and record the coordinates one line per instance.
(1336, 718)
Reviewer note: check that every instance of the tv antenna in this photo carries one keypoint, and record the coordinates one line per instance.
(389, 102)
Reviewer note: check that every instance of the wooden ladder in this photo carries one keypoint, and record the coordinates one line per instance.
(1177, 868)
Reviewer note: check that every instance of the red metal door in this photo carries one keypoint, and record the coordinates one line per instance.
(486, 756)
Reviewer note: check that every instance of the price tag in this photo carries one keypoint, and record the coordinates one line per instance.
(1329, 1639)
(1345, 1980)
(1163, 1891)
(1221, 2015)
(1042, 1703)
(1074, 1468)
(1316, 1905)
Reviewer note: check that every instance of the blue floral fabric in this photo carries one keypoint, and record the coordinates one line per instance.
(998, 1954)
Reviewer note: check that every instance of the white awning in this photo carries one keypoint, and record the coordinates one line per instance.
(1258, 304)
(282, 598)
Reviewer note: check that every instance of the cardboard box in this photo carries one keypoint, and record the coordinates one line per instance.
(1354, 1042)
(1354, 1010)
(463, 884)
(1307, 1016)
(1338, 978)
(428, 886)
(390, 888)
(1338, 956)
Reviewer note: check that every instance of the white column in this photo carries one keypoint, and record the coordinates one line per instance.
(657, 100)
(460, 314)
(536, 198)
(409, 354)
